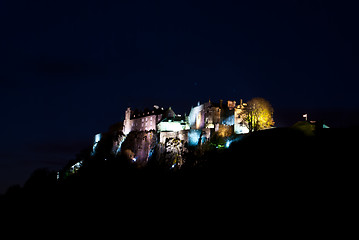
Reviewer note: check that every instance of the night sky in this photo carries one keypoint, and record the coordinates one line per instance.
(69, 69)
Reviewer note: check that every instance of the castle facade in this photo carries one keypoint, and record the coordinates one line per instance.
(142, 121)
(165, 129)
(202, 121)
(213, 115)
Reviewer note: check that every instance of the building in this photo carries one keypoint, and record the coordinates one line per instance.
(212, 115)
(159, 125)
(142, 121)
(208, 117)
(203, 121)
(173, 124)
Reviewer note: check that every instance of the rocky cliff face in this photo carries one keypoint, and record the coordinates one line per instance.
(140, 143)
(170, 154)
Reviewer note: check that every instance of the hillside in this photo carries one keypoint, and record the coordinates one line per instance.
(273, 161)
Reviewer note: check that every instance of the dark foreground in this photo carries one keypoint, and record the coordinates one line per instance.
(276, 173)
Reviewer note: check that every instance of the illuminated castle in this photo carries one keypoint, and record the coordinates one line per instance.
(144, 131)
(213, 115)
(146, 120)
(203, 120)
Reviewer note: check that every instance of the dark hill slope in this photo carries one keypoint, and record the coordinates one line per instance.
(267, 165)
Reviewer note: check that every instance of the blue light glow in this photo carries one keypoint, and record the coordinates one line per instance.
(150, 153)
(229, 121)
(193, 137)
(233, 139)
(95, 143)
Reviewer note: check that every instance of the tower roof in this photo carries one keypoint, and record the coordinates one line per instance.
(169, 113)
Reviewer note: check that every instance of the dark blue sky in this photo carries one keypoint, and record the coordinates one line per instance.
(69, 69)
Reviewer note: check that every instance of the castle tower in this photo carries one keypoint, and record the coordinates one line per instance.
(127, 122)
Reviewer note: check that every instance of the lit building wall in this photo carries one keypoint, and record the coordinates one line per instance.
(231, 104)
(127, 122)
(204, 116)
(172, 126)
(145, 121)
(212, 116)
(194, 117)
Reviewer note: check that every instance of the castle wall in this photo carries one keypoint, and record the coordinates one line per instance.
(204, 116)
(213, 116)
(195, 118)
(140, 122)
(146, 123)
(203, 120)
(127, 122)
